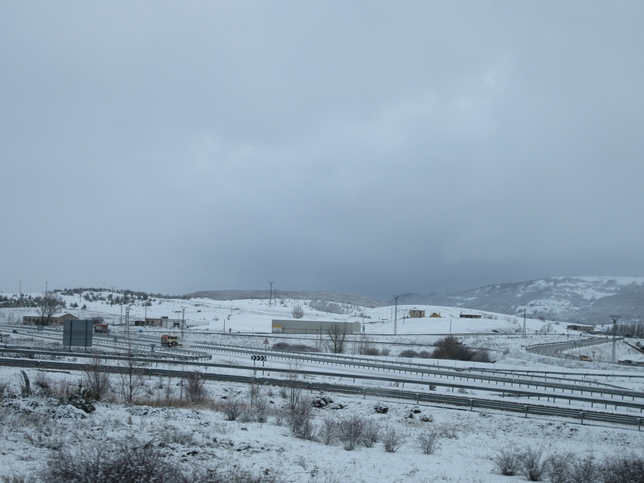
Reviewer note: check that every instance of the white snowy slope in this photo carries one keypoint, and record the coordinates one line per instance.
(198, 435)
(580, 299)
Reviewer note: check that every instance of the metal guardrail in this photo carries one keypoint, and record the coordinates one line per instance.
(462, 401)
(397, 381)
(450, 373)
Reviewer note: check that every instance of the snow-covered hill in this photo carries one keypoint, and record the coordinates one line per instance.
(585, 299)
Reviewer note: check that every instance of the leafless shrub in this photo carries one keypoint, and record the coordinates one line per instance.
(97, 381)
(195, 388)
(280, 416)
(558, 467)
(232, 408)
(329, 431)
(622, 469)
(583, 470)
(393, 440)
(350, 431)
(259, 407)
(42, 381)
(451, 348)
(427, 441)
(371, 433)
(300, 419)
(507, 461)
(125, 463)
(531, 464)
(3, 389)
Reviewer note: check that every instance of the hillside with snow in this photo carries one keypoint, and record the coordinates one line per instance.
(196, 439)
(589, 300)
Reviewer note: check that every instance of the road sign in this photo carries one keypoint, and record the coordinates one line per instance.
(266, 341)
(140, 331)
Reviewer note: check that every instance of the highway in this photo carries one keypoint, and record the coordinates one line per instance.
(362, 373)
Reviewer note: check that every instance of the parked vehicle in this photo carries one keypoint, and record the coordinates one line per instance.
(101, 328)
(169, 340)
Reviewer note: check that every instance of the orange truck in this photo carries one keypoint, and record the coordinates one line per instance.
(169, 340)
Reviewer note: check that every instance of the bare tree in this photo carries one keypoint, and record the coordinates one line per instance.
(337, 336)
(131, 378)
(48, 305)
(195, 387)
(98, 381)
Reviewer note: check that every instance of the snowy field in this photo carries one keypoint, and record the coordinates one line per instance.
(194, 435)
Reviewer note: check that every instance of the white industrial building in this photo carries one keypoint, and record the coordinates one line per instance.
(296, 326)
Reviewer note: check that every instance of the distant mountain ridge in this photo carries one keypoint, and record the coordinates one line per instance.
(342, 298)
(580, 299)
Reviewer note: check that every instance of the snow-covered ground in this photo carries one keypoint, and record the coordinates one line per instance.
(198, 435)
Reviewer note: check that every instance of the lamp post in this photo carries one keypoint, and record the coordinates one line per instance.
(614, 317)
(396, 315)
(270, 295)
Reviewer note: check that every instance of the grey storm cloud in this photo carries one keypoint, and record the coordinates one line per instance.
(368, 147)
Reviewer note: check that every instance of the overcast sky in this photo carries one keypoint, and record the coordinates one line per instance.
(370, 147)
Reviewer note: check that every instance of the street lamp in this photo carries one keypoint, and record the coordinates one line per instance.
(614, 317)
(396, 315)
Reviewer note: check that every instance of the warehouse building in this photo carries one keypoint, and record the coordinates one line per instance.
(293, 326)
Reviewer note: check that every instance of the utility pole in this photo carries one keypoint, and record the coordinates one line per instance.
(46, 286)
(127, 321)
(396, 315)
(270, 295)
(524, 313)
(614, 317)
(20, 287)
